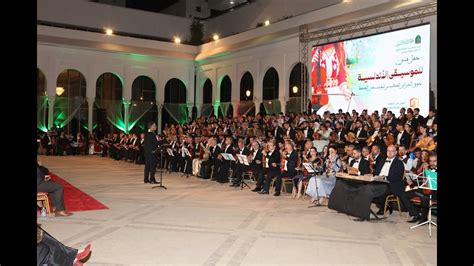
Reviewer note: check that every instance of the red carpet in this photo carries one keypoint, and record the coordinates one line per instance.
(75, 199)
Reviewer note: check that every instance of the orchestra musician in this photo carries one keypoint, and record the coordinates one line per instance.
(256, 164)
(272, 165)
(298, 180)
(326, 181)
(394, 171)
(358, 166)
(289, 159)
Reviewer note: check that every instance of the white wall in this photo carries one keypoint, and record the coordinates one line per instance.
(249, 15)
(53, 60)
(96, 15)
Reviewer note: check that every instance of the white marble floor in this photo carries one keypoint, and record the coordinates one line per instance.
(201, 222)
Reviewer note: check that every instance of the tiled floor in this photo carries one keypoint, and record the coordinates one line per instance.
(201, 222)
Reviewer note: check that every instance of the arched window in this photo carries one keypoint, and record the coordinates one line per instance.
(296, 86)
(246, 87)
(143, 108)
(207, 109)
(226, 95)
(246, 95)
(226, 89)
(270, 84)
(270, 92)
(207, 92)
(296, 80)
(175, 108)
(42, 101)
(70, 108)
(108, 108)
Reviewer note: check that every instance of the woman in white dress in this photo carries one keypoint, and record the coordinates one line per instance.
(320, 187)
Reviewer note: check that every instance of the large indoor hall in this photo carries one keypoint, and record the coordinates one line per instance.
(237, 132)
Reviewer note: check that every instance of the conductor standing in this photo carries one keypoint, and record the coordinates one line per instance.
(150, 146)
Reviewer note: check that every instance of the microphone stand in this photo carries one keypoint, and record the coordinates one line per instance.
(316, 204)
(160, 184)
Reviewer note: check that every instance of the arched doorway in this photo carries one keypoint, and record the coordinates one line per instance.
(108, 107)
(175, 109)
(246, 95)
(295, 88)
(207, 109)
(70, 107)
(226, 108)
(143, 108)
(270, 102)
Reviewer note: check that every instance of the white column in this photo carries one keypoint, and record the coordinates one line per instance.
(160, 110)
(283, 104)
(51, 110)
(198, 107)
(126, 103)
(90, 103)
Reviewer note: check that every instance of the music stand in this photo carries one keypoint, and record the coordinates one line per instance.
(186, 152)
(243, 160)
(311, 169)
(430, 183)
(229, 157)
(161, 148)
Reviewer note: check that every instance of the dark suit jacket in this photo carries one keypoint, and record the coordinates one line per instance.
(274, 158)
(292, 133)
(291, 164)
(258, 157)
(379, 161)
(395, 176)
(279, 134)
(405, 140)
(364, 166)
(310, 133)
(150, 144)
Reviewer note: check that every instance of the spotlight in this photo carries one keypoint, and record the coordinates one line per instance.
(109, 31)
(216, 37)
(267, 22)
(247, 93)
(177, 40)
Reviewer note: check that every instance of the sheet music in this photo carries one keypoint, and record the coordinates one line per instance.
(243, 159)
(309, 167)
(228, 156)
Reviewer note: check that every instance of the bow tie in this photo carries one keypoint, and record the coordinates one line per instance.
(388, 161)
(356, 161)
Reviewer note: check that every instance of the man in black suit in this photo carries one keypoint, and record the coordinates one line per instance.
(361, 134)
(47, 143)
(277, 131)
(56, 191)
(289, 169)
(272, 165)
(377, 156)
(257, 166)
(288, 131)
(358, 166)
(394, 170)
(150, 146)
(307, 131)
(402, 137)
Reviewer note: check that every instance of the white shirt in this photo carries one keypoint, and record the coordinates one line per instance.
(400, 134)
(358, 132)
(409, 164)
(430, 121)
(386, 167)
(305, 133)
(266, 161)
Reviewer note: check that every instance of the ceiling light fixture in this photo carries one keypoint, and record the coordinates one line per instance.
(109, 31)
(177, 40)
(267, 22)
(215, 37)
